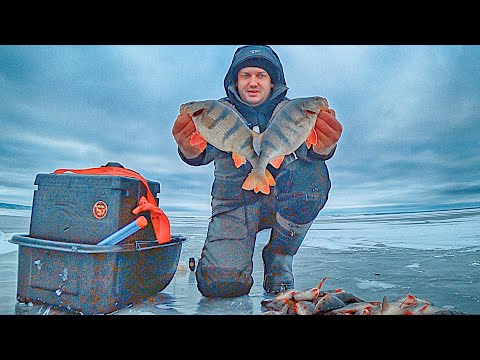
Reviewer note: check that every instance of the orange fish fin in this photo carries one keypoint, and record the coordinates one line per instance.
(196, 139)
(277, 161)
(264, 187)
(256, 182)
(321, 283)
(312, 139)
(250, 183)
(411, 297)
(239, 160)
(424, 307)
(270, 179)
(409, 300)
(365, 311)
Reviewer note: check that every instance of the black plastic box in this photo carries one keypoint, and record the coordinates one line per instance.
(87, 208)
(93, 279)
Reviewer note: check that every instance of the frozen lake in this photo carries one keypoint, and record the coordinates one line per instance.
(433, 255)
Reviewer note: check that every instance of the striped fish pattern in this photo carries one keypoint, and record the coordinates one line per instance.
(223, 127)
(290, 126)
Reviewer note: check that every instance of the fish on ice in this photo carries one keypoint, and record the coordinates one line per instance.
(314, 301)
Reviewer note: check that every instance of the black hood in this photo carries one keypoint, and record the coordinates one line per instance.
(261, 56)
(264, 57)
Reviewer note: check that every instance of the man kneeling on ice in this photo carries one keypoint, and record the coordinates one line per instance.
(255, 86)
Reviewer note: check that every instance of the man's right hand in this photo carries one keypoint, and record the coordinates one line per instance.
(183, 129)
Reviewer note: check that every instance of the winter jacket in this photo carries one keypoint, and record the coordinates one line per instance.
(228, 180)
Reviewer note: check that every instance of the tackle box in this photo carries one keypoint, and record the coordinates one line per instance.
(93, 279)
(85, 209)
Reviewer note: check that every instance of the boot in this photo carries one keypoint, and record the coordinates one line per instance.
(285, 239)
(277, 272)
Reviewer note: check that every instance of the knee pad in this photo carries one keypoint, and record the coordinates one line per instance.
(287, 236)
(302, 191)
(222, 282)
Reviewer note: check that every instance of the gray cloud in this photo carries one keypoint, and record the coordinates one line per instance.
(410, 117)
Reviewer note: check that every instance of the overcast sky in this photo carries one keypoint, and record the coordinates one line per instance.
(411, 117)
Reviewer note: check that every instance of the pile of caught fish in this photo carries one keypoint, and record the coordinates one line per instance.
(315, 301)
(225, 128)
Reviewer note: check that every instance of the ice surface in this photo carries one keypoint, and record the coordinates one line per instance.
(432, 255)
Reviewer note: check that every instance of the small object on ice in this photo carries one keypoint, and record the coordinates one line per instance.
(191, 263)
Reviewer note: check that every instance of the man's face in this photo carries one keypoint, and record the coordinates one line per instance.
(254, 85)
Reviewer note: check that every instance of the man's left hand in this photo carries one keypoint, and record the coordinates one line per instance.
(328, 130)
